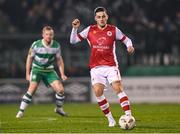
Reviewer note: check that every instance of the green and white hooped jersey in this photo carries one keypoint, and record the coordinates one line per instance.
(44, 56)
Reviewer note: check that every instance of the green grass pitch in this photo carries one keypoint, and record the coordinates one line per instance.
(87, 118)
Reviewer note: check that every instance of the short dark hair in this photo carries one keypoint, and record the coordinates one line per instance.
(99, 9)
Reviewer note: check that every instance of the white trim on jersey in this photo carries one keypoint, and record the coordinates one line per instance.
(75, 37)
(114, 53)
(84, 33)
(41, 60)
(46, 46)
(49, 67)
(89, 42)
(120, 36)
(43, 50)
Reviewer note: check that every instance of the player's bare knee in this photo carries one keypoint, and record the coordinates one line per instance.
(117, 89)
(60, 90)
(98, 92)
(32, 90)
(117, 86)
(58, 87)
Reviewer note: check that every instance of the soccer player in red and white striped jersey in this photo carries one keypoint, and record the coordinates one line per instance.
(103, 62)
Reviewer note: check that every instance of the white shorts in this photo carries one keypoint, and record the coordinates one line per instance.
(102, 74)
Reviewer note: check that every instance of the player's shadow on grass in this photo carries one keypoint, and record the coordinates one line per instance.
(90, 116)
(151, 127)
(85, 116)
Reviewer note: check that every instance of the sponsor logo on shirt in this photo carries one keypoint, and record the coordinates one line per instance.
(101, 44)
(101, 40)
(100, 47)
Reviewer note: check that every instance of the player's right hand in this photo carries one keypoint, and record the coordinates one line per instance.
(130, 49)
(64, 77)
(75, 23)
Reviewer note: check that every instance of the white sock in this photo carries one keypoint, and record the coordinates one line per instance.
(23, 106)
(124, 102)
(25, 101)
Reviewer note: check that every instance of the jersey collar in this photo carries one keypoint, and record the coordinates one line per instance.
(44, 44)
(103, 28)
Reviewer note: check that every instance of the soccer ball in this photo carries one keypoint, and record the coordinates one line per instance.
(127, 122)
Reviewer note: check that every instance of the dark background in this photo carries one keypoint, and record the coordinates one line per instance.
(153, 26)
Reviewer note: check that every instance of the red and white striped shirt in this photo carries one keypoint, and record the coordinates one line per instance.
(102, 43)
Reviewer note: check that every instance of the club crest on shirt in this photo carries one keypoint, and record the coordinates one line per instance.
(94, 32)
(109, 33)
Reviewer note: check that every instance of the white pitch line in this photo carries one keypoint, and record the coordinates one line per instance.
(49, 119)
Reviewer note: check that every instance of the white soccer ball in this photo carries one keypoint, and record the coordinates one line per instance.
(127, 122)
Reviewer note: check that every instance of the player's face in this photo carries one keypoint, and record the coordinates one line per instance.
(48, 35)
(101, 18)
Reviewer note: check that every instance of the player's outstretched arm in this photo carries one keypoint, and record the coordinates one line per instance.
(129, 45)
(120, 36)
(74, 37)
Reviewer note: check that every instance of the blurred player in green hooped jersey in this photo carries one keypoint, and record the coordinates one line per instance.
(39, 66)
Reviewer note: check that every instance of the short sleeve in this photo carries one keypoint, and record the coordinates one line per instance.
(32, 50)
(119, 35)
(83, 34)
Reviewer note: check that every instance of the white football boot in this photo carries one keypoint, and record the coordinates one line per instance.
(20, 114)
(112, 122)
(60, 111)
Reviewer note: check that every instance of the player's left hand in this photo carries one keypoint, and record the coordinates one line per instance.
(64, 77)
(130, 49)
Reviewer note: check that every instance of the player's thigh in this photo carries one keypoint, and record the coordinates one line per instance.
(113, 74)
(35, 78)
(117, 86)
(57, 86)
(32, 87)
(98, 89)
(50, 77)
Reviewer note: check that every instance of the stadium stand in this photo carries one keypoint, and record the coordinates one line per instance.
(154, 27)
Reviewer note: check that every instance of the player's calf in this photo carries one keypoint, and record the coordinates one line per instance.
(104, 106)
(124, 102)
(27, 98)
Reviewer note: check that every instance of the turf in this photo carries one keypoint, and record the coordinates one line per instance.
(87, 118)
